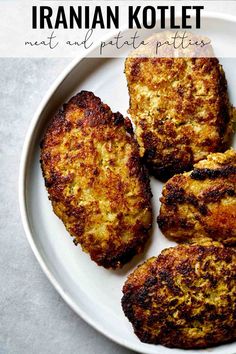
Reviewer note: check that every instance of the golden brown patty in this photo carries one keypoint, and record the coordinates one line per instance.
(184, 298)
(202, 203)
(95, 180)
(181, 111)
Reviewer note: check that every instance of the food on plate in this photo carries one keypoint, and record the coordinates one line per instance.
(181, 110)
(96, 181)
(185, 297)
(202, 202)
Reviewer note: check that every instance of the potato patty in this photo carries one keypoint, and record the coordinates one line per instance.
(184, 298)
(202, 203)
(95, 180)
(181, 111)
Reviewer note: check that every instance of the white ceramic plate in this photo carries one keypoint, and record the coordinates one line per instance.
(93, 292)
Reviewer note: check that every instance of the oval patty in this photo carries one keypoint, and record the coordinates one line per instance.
(95, 180)
(202, 203)
(184, 298)
(181, 111)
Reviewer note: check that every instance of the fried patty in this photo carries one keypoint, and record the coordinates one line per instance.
(181, 110)
(185, 297)
(96, 181)
(202, 203)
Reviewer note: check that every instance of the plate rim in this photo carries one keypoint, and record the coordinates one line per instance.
(22, 190)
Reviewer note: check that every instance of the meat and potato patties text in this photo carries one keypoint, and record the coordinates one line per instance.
(202, 203)
(185, 298)
(181, 111)
(95, 180)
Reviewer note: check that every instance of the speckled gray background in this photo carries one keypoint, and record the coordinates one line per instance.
(33, 317)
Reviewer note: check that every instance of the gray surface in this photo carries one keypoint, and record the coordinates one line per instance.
(33, 317)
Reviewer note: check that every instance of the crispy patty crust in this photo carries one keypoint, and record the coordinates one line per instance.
(202, 203)
(184, 298)
(96, 181)
(181, 110)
